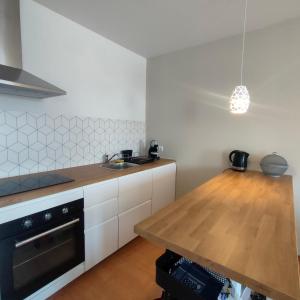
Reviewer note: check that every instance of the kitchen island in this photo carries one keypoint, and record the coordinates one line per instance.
(241, 225)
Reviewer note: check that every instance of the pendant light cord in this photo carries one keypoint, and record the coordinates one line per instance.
(244, 37)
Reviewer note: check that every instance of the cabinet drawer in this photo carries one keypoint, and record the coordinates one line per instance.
(100, 242)
(128, 219)
(134, 189)
(100, 192)
(100, 213)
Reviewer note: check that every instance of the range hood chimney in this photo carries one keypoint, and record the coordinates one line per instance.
(13, 79)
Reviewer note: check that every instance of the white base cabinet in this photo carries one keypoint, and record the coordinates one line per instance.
(163, 186)
(134, 189)
(128, 219)
(100, 213)
(100, 242)
(100, 221)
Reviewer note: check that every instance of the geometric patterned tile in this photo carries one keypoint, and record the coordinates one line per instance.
(32, 143)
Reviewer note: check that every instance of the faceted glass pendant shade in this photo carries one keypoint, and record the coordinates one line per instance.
(240, 100)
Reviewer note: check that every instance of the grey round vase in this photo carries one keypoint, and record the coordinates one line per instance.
(274, 165)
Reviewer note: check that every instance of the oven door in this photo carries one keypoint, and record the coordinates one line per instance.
(36, 259)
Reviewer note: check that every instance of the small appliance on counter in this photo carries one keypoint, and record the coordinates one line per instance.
(274, 165)
(239, 160)
(154, 149)
(126, 155)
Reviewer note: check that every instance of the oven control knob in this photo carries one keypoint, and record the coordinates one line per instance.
(65, 210)
(27, 223)
(47, 216)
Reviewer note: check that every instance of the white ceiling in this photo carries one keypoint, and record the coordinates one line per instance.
(154, 27)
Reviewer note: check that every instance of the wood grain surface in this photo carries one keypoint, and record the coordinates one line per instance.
(241, 225)
(82, 175)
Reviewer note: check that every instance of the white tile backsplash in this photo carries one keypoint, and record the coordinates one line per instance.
(32, 143)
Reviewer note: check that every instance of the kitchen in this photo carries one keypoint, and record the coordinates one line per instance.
(109, 78)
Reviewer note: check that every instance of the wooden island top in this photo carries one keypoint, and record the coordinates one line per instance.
(241, 225)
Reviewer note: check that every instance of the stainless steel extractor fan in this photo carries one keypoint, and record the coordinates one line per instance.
(13, 79)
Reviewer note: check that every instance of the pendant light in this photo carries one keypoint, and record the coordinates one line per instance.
(240, 98)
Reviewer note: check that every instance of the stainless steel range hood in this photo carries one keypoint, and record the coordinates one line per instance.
(13, 79)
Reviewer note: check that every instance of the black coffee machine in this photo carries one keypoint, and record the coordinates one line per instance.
(153, 151)
(238, 160)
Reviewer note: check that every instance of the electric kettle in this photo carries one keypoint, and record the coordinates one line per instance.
(238, 160)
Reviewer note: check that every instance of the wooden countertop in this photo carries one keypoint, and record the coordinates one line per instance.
(241, 225)
(82, 175)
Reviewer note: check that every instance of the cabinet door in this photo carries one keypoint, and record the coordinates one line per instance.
(134, 189)
(100, 241)
(128, 219)
(163, 186)
(99, 192)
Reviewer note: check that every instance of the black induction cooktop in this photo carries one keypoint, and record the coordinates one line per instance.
(16, 185)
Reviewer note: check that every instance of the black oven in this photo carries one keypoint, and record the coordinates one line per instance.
(36, 249)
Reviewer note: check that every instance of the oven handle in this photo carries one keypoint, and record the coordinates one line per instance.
(27, 241)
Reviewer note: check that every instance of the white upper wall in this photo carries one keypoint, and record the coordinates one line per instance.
(188, 104)
(102, 79)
